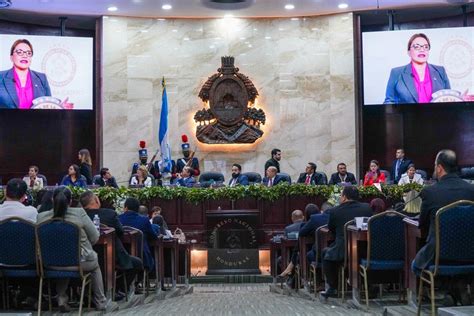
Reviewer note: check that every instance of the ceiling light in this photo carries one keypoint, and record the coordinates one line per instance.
(166, 7)
(112, 9)
(343, 6)
(228, 16)
(289, 6)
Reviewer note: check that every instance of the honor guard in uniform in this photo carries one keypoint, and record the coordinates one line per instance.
(188, 160)
(143, 156)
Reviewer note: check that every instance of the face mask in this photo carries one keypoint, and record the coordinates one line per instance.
(234, 175)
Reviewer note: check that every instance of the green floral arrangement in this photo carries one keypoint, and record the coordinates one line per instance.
(197, 195)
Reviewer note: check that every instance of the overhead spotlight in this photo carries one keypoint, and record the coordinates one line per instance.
(343, 6)
(5, 3)
(112, 9)
(166, 7)
(289, 6)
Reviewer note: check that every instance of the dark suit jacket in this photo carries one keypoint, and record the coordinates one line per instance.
(277, 180)
(272, 162)
(8, 96)
(401, 170)
(335, 179)
(109, 217)
(401, 84)
(133, 219)
(294, 227)
(316, 178)
(241, 180)
(315, 221)
(338, 217)
(110, 182)
(449, 189)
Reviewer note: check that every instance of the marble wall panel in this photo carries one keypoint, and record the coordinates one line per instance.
(303, 69)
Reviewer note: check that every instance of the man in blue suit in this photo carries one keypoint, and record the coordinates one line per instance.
(237, 177)
(315, 221)
(131, 218)
(185, 179)
(399, 165)
(272, 178)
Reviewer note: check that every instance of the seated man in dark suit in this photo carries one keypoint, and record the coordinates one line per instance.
(342, 176)
(449, 189)
(291, 232)
(347, 210)
(91, 204)
(106, 179)
(133, 219)
(272, 178)
(310, 177)
(185, 178)
(400, 165)
(297, 219)
(237, 177)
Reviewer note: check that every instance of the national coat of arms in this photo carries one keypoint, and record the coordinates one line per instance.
(231, 117)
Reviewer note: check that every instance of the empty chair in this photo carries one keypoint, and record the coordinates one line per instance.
(286, 177)
(211, 177)
(385, 248)
(454, 250)
(422, 173)
(467, 173)
(254, 177)
(388, 178)
(17, 252)
(325, 177)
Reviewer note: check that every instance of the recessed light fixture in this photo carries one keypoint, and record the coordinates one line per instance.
(289, 6)
(343, 6)
(112, 9)
(166, 7)
(268, 37)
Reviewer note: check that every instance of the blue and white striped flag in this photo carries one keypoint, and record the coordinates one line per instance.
(165, 166)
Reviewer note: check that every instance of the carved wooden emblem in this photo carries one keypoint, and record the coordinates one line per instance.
(231, 117)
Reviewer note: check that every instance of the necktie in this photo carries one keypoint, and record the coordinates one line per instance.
(397, 167)
(270, 182)
(32, 183)
(308, 179)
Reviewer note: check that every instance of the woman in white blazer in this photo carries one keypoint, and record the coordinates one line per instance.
(411, 176)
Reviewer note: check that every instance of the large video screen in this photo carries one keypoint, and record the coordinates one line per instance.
(46, 72)
(418, 66)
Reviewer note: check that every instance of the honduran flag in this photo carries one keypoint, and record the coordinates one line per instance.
(165, 147)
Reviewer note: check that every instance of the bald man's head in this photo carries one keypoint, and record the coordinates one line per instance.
(297, 215)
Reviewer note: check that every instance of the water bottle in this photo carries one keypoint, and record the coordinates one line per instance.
(96, 221)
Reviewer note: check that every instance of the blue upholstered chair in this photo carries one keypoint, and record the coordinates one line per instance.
(60, 258)
(385, 247)
(17, 252)
(316, 265)
(209, 177)
(135, 248)
(388, 177)
(286, 177)
(254, 177)
(422, 173)
(325, 177)
(454, 252)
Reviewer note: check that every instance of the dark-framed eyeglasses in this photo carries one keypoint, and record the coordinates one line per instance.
(23, 53)
(418, 47)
